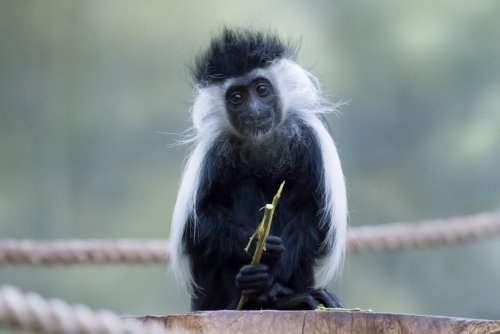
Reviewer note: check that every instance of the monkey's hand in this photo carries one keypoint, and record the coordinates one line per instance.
(274, 250)
(253, 282)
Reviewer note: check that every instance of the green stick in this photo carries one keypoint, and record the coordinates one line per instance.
(262, 232)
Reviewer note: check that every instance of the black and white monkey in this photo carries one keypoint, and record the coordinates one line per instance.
(258, 121)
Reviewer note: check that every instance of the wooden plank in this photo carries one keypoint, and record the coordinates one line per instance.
(296, 322)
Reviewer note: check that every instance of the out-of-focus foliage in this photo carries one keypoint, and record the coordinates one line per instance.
(88, 90)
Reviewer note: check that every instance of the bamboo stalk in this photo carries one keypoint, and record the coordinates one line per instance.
(262, 232)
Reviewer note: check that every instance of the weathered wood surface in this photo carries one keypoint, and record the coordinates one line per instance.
(263, 322)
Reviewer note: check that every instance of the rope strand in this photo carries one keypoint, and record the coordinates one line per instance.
(423, 234)
(360, 239)
(78, 252)
(30, 311)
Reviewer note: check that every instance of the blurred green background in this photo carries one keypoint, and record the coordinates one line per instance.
(88, 90)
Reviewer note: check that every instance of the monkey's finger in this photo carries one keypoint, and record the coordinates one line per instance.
(243, 278)
(253, 285)
(252, 281)
(278, 249)
(273, 240)
(251, 292)
(274, 244)
(254, 268)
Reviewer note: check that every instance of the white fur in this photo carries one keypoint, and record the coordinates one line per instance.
(300, 96)
(209, 119)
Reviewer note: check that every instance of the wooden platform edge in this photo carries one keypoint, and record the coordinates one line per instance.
(263, 322)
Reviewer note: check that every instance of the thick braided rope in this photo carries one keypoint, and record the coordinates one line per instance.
(423, 234)
(360, 239)
(30, 311)
(75, 252)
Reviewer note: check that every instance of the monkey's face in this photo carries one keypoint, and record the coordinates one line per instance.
(252, 106)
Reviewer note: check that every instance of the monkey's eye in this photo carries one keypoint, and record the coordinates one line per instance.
(262, 89)
(236, 98)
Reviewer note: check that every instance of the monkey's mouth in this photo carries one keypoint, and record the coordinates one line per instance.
(259, 125)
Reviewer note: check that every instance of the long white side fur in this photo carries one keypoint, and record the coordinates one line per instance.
(301, 96)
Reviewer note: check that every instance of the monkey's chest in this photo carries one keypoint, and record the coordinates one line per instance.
(248, 195)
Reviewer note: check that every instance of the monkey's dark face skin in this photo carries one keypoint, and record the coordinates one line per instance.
(253, 106)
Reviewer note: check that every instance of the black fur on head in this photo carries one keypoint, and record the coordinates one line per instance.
(236, 52)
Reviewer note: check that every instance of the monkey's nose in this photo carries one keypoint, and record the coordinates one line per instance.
(258, 110)
(255, 110)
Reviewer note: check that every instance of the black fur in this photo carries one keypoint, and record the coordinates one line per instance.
(237, 180)
(236, 52)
